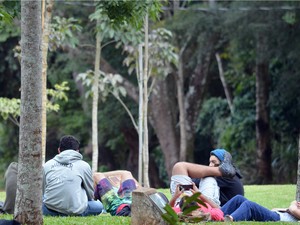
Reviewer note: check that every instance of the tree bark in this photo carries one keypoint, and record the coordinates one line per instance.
(225, 86)
(195, 96)
(264, 151)
(298, 173)
(45, 44)
(182, 112)
(140, 79)
(164, 120)
(29, 188)
(145, 109)
(95, 101)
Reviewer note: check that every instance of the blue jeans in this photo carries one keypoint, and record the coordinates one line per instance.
(94, 208)
(242, 209)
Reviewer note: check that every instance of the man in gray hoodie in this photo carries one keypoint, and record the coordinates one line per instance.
(68, 183)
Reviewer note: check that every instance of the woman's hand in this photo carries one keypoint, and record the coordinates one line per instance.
(195, 189)
(178, 192)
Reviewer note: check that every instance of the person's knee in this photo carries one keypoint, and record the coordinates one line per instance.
(179, 168)
(126, 175)
(97, 177)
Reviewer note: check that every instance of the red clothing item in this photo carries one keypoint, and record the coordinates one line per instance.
(215, 213)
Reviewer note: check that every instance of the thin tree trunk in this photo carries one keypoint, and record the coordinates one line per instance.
(298, 173)
(29, 184)
(182, 113)
(225, 86)
(46, 16)
(264, 151)
(141, 106)
(95, 102)
(145, 114)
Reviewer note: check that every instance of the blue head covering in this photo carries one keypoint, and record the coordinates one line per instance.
(219, 153)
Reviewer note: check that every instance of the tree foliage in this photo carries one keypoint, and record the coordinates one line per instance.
(232, 26)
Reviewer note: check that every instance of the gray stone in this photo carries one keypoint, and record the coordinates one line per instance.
(143, 209)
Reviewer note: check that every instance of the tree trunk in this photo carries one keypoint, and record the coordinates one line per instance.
(164, 120)
(140, 119)
(264, 151)
(145, 109)
(45, 43)
(298, 173)
(163, 108)
(195, 95)
(225, 86)
(29, 188)
(95, 102)
(182, 112)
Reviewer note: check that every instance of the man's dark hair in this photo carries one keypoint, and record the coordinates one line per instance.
(68, 142)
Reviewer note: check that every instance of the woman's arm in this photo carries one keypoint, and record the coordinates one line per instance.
(175, 196)
(204, 198)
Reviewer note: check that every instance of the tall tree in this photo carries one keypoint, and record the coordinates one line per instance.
(95, 100)
(262, 121)
(145, 107)
(298, 173)
(47, 6)
(29, 190)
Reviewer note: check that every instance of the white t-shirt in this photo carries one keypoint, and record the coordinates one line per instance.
(286, 217)
(208, 186)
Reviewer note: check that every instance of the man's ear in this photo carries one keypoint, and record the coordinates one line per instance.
(58, 150)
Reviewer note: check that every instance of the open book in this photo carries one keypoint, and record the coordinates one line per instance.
(115, 180)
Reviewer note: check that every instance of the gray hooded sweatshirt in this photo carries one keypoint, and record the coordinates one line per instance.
(68, 183)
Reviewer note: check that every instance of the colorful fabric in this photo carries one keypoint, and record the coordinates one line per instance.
(111, 199)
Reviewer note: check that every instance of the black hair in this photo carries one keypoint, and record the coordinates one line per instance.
(184, 207)
(68, 142)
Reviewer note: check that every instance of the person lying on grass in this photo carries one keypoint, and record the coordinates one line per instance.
(114, 190)
(240, 208)
(211, 208)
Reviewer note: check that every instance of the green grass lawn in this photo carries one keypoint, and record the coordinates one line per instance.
(270, 196)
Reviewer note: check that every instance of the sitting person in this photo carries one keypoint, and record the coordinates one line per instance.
(116, 198)
(210, 192)
(10, 188)
(68, 183)
(221, 167)
(229, 187)
(241, 209)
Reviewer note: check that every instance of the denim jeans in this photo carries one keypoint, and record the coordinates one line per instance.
(94, 208)
(242, 209)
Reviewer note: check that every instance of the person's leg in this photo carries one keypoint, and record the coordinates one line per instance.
(179, 179)
(195, 170)
(233, 204)
(128, 184)
(105, 193)
(49, 212)
(225, 169)
(246, 210)
(94, 208)
(10, 188)
(122, 174)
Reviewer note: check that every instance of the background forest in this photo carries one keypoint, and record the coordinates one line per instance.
(238, 67)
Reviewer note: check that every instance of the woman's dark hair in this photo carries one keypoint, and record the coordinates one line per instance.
(184, 207)
(68, 142)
